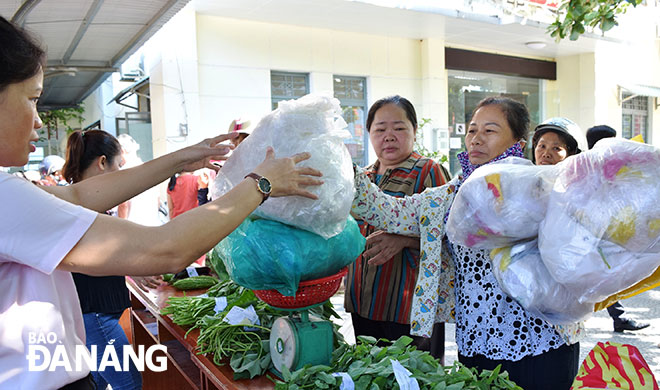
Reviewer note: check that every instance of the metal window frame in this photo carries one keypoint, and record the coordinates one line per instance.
(274, 99)
(632, 111)
(357, 102)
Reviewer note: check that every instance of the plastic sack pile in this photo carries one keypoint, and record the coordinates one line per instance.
(595, 215)
(262, 254)
(311, 124)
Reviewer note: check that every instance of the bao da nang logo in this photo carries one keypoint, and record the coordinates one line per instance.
(42, 356)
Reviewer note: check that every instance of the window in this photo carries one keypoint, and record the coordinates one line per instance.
(287, 86)
(353, 100)
(635, 116)
(466, 89)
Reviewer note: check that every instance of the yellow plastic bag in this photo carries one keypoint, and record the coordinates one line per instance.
(652, 281)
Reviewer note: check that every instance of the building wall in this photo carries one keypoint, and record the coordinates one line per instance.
(208, 70)
(237, 56)
(634, 63)
(575, 86)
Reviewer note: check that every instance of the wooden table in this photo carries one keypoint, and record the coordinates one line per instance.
(185, 369)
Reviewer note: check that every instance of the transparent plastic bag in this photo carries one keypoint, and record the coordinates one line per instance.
(312, 124)
(500, 204)
(602, 227)
(522, 275)
(592, 268)
(614, 191)
(262, 254)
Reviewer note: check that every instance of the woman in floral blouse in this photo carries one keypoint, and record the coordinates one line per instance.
(380, 284)
(491, 328)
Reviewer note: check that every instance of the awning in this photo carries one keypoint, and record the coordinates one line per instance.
(641, 90)
(129, 91)
(86, 40)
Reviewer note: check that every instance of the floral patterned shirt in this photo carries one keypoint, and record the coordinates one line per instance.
(424, 215)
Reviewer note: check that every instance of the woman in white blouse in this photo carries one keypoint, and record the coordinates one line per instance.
(456, 282)
(48, 232)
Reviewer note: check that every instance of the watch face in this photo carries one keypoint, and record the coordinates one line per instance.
(264, 185)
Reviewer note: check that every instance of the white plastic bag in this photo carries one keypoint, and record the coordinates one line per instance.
(602, 227)
(522, 275)
(500, 204)
(312, 124)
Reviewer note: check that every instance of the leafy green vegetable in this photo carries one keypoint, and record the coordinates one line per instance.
(370, 367)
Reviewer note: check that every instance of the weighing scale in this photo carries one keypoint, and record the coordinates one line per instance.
(297, 340)
(300, 339)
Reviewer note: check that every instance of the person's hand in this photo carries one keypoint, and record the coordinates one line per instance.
(147, 282)
(286, 178)
(383, 246)
(200, 155)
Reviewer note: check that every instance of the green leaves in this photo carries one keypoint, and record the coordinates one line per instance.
(370, 367)
(575, 15)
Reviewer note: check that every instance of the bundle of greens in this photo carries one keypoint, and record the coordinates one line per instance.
(370, 367)
(247, 347)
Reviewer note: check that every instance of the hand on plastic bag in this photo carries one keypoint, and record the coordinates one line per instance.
(286, 177)
(310, 124)
(199, 156)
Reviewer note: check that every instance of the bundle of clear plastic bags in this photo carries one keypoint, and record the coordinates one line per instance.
(312, 124)
(523, 276)
(601, 231)
(500, 204)
(262, 254)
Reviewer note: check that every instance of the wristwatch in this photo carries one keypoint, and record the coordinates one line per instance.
(263, 185)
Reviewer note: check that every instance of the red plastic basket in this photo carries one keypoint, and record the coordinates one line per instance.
(310, 292)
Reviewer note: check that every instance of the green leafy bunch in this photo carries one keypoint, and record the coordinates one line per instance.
(578, 14)
(370, 367)
(247, 348)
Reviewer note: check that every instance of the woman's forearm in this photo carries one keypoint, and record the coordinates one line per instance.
(103, 192)
(112, 246)
(385, 212)
(117, 247)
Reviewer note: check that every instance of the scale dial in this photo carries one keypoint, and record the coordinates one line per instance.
(283, 344)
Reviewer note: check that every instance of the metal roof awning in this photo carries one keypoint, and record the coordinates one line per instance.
(87, 40)
(130, 90)
(641, 90)
(638, 90)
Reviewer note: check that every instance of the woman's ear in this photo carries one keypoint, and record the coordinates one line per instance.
(522, 142)
(101, 162)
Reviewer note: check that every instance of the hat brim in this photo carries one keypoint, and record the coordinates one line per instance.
(569, 140)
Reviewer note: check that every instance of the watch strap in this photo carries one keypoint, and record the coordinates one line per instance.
(257, 179)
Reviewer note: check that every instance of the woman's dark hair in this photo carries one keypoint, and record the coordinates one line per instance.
(398, 101)
(82, 148)
(515, 112)
(172, 183)
(21, 57)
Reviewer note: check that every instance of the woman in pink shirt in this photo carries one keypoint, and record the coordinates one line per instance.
(182, 193)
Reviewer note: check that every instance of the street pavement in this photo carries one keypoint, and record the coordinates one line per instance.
(644, 307)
